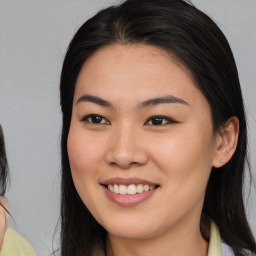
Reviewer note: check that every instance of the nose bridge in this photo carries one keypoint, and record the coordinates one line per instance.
(125, 148)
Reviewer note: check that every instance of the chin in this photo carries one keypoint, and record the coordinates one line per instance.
(131, 230)
(131, 234)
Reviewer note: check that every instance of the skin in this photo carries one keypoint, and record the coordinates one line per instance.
(2, 220)
(177, 155)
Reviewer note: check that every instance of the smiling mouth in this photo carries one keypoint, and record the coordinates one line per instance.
(131, 189)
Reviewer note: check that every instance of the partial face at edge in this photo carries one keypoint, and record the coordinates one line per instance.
(137, 117)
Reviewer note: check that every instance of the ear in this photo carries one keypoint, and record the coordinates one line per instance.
(226, 142)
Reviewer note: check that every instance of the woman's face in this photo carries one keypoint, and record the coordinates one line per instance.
(142, 128)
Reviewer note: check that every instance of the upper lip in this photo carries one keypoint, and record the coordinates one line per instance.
(127, 181)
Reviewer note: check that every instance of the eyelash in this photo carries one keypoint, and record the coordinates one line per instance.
(167, 119)
(86, 119)
(160, 118)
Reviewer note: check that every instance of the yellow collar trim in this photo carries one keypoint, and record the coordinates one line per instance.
(215, 241)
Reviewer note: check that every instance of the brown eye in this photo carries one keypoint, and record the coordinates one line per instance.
(159, 120)
(95, 119)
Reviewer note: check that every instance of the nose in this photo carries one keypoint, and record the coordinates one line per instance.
(126, 149)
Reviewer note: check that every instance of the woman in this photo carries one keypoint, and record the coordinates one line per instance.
(11, 243)
(154, 136)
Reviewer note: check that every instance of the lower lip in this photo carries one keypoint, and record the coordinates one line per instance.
(129, 200)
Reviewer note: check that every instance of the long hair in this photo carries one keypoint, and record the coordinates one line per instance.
(196, 41)
(3, 165)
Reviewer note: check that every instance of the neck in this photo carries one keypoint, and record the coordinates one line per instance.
(177, 242)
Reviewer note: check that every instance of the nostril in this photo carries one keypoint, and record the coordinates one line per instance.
(126, 157)
(112, 163)
(124, 165)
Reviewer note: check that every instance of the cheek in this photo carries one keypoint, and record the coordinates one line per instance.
(83, 152)
(186, 171)
(186, 161)
(84, 155)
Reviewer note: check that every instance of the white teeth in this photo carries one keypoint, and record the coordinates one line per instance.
(122, 189)
(116, 189)
(140, 188)
(111, 188)
(146, 187)
(132, 189)
(129, 190)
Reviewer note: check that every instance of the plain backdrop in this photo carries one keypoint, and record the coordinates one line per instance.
(33, 39)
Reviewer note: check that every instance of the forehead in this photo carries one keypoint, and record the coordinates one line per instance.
(134, 55)
(135, 71)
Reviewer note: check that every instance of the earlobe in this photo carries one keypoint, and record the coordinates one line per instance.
(226, 142)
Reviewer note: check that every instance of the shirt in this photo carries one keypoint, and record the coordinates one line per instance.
(216, 248)
(15, 245)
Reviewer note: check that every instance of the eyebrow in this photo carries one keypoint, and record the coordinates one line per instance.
(162, 100)
(150, 102)
(94, 99)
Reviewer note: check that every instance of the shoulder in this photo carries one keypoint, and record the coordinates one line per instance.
(226, 250)
(15, 244)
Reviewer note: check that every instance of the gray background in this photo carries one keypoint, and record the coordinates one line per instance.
(33, 39)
